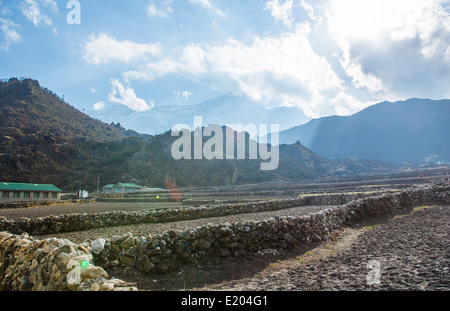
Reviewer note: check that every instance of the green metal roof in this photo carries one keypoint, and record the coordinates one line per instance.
(129, 185)
(122, 185)
(9, 186)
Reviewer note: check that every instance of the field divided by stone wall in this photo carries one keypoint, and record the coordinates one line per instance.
(58, 264)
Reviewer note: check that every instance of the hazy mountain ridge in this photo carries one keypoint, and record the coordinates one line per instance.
(415, 131)
(213, 111)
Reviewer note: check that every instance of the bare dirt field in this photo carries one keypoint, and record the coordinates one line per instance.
(89, 208)
(411, 251)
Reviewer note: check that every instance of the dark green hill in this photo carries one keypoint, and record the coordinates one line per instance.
(41, 135)
(45, 140)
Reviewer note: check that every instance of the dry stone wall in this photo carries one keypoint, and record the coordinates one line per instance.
(27, 263)
(8, 205)
(79, 222)
(168, 251)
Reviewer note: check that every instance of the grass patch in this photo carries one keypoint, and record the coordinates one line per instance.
(420, 208)
(415, 210)
(370, 227)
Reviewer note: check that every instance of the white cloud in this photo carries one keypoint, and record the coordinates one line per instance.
(346, 105)
(310, 10)
(184, 94)
(393, 48)
(126, 96)
(3, 10)
(10, 35)
(93, 90)
(33, 11)
(99, 106)
(281, 11)
(274, 71)
(207, 5)
(154, 11)
(103, 49)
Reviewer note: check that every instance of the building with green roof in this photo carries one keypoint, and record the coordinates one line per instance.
(18, 192)
(122, 188)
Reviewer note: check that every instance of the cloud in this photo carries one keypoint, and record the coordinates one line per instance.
(4, 10)
(281, 11)
(184, 94)
(207, 5)
(103, 49)
(346, 105)
(275, 71)
(394, 49)
(126, 96)
(33, 11)
(99, 106)
(154, 11)
(310, 10)
(10, 35)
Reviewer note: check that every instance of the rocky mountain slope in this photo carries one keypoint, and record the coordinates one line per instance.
(45, 140)
(42, 136)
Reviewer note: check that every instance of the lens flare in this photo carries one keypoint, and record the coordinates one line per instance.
(173, 190)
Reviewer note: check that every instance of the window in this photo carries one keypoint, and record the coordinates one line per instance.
(36, 195)
(54, 195)
(5, 194)
(45, 194)
(16, 194)
(27, 195)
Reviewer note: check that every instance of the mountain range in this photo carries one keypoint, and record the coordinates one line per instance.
(45, 140)
(214, 111)
(415, 130)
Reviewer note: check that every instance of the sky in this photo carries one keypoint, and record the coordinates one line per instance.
(328, 57)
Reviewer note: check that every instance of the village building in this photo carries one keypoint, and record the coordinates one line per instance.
(17, 192)
(122, 188)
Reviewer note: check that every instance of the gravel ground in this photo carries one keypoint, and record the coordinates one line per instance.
(88, 208)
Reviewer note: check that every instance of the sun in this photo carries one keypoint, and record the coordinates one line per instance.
(366, 19)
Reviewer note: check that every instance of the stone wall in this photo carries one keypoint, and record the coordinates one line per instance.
(57, 264)
(79, 222)
(163, 252)
(42, 202)
(28, 264)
